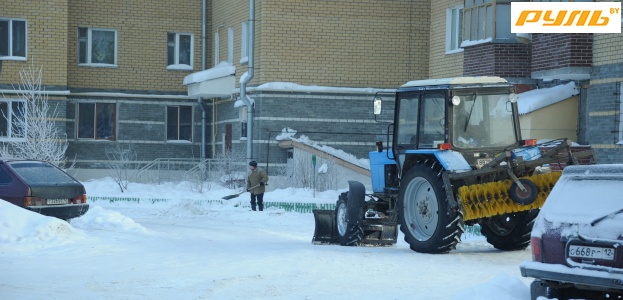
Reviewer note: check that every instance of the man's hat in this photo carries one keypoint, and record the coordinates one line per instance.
(253, 163)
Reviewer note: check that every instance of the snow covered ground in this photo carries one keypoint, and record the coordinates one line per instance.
(192, 248)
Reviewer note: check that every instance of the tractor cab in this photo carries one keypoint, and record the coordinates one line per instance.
(475, 116)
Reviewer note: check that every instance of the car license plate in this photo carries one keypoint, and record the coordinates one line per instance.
(591, 252)
(57, 201)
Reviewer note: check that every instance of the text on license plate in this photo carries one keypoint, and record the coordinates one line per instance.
(57, 201)
(591, 252)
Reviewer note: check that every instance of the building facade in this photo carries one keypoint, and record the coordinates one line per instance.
(118, 77)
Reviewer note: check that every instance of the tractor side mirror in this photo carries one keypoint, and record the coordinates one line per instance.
(377, 105)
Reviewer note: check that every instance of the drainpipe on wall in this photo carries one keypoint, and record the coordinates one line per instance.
(246, 78)
(203, 67)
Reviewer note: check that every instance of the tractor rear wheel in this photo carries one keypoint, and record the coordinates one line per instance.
(350, 233)
(510, 231)
(426, 220)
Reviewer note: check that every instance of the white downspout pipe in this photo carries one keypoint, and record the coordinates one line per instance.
(203, 67)
(246, 78)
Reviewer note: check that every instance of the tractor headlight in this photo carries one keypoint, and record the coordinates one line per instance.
(456, 100)
(513, 97)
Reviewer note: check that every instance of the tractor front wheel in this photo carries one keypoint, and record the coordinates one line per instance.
(426, 220)
(350, 233)
(510, 231)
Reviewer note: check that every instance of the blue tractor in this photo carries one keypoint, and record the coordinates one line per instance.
(456, 158)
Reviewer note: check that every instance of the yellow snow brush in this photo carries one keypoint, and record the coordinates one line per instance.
(491, 199)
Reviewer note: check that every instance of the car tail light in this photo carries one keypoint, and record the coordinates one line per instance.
(535, 243)
(28, 201)
(80, 199)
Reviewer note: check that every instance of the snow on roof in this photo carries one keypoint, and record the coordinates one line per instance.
(293, 87)
(536, 99)
(456, 80)
(288, 133)
(221, 70)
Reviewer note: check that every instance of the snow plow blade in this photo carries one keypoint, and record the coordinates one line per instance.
(326, 231)
(374, 233)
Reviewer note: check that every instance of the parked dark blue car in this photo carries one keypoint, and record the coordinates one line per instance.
(42, 187)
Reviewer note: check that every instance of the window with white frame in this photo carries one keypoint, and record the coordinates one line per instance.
(230, 45)
(244, 43)
(97, 47)
(13, 39)
(179, 51)
(96, 121)
(179, 123)
(217, 42)
(454, 29)
(478, 19)
(12, 119)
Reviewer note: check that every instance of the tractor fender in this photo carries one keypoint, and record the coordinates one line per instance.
(356, 202)
(450, 160)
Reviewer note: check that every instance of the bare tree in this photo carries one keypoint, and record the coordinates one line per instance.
(30, 124)
(199, 176)
(231, 168)
(122, 165)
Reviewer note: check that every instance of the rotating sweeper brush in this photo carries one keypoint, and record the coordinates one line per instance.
(497, 198)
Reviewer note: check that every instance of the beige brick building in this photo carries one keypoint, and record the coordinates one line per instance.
(118, 68)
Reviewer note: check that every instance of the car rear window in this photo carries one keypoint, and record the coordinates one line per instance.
(39, 173)
(582, 200)
(587, 198)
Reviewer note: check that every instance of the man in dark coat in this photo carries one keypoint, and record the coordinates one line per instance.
(256, 183)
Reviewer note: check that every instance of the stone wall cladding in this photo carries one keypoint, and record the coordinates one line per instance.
(141, 123)
(553, 51)
(442, 64)
(603, 105)
(493, 59)
(341, 121)
(141, 43)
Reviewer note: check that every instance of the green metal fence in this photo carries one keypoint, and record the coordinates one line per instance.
(287, 206)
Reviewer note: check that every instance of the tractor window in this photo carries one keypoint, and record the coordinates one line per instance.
(481, 121)
(407, 121)
(433, 121)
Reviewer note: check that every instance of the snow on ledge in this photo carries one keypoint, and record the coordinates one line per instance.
(221, 70)
(536, 99)
(293, 87)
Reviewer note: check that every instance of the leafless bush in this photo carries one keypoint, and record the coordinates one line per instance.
(199, 177)
(122, 165)
(231, 168)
